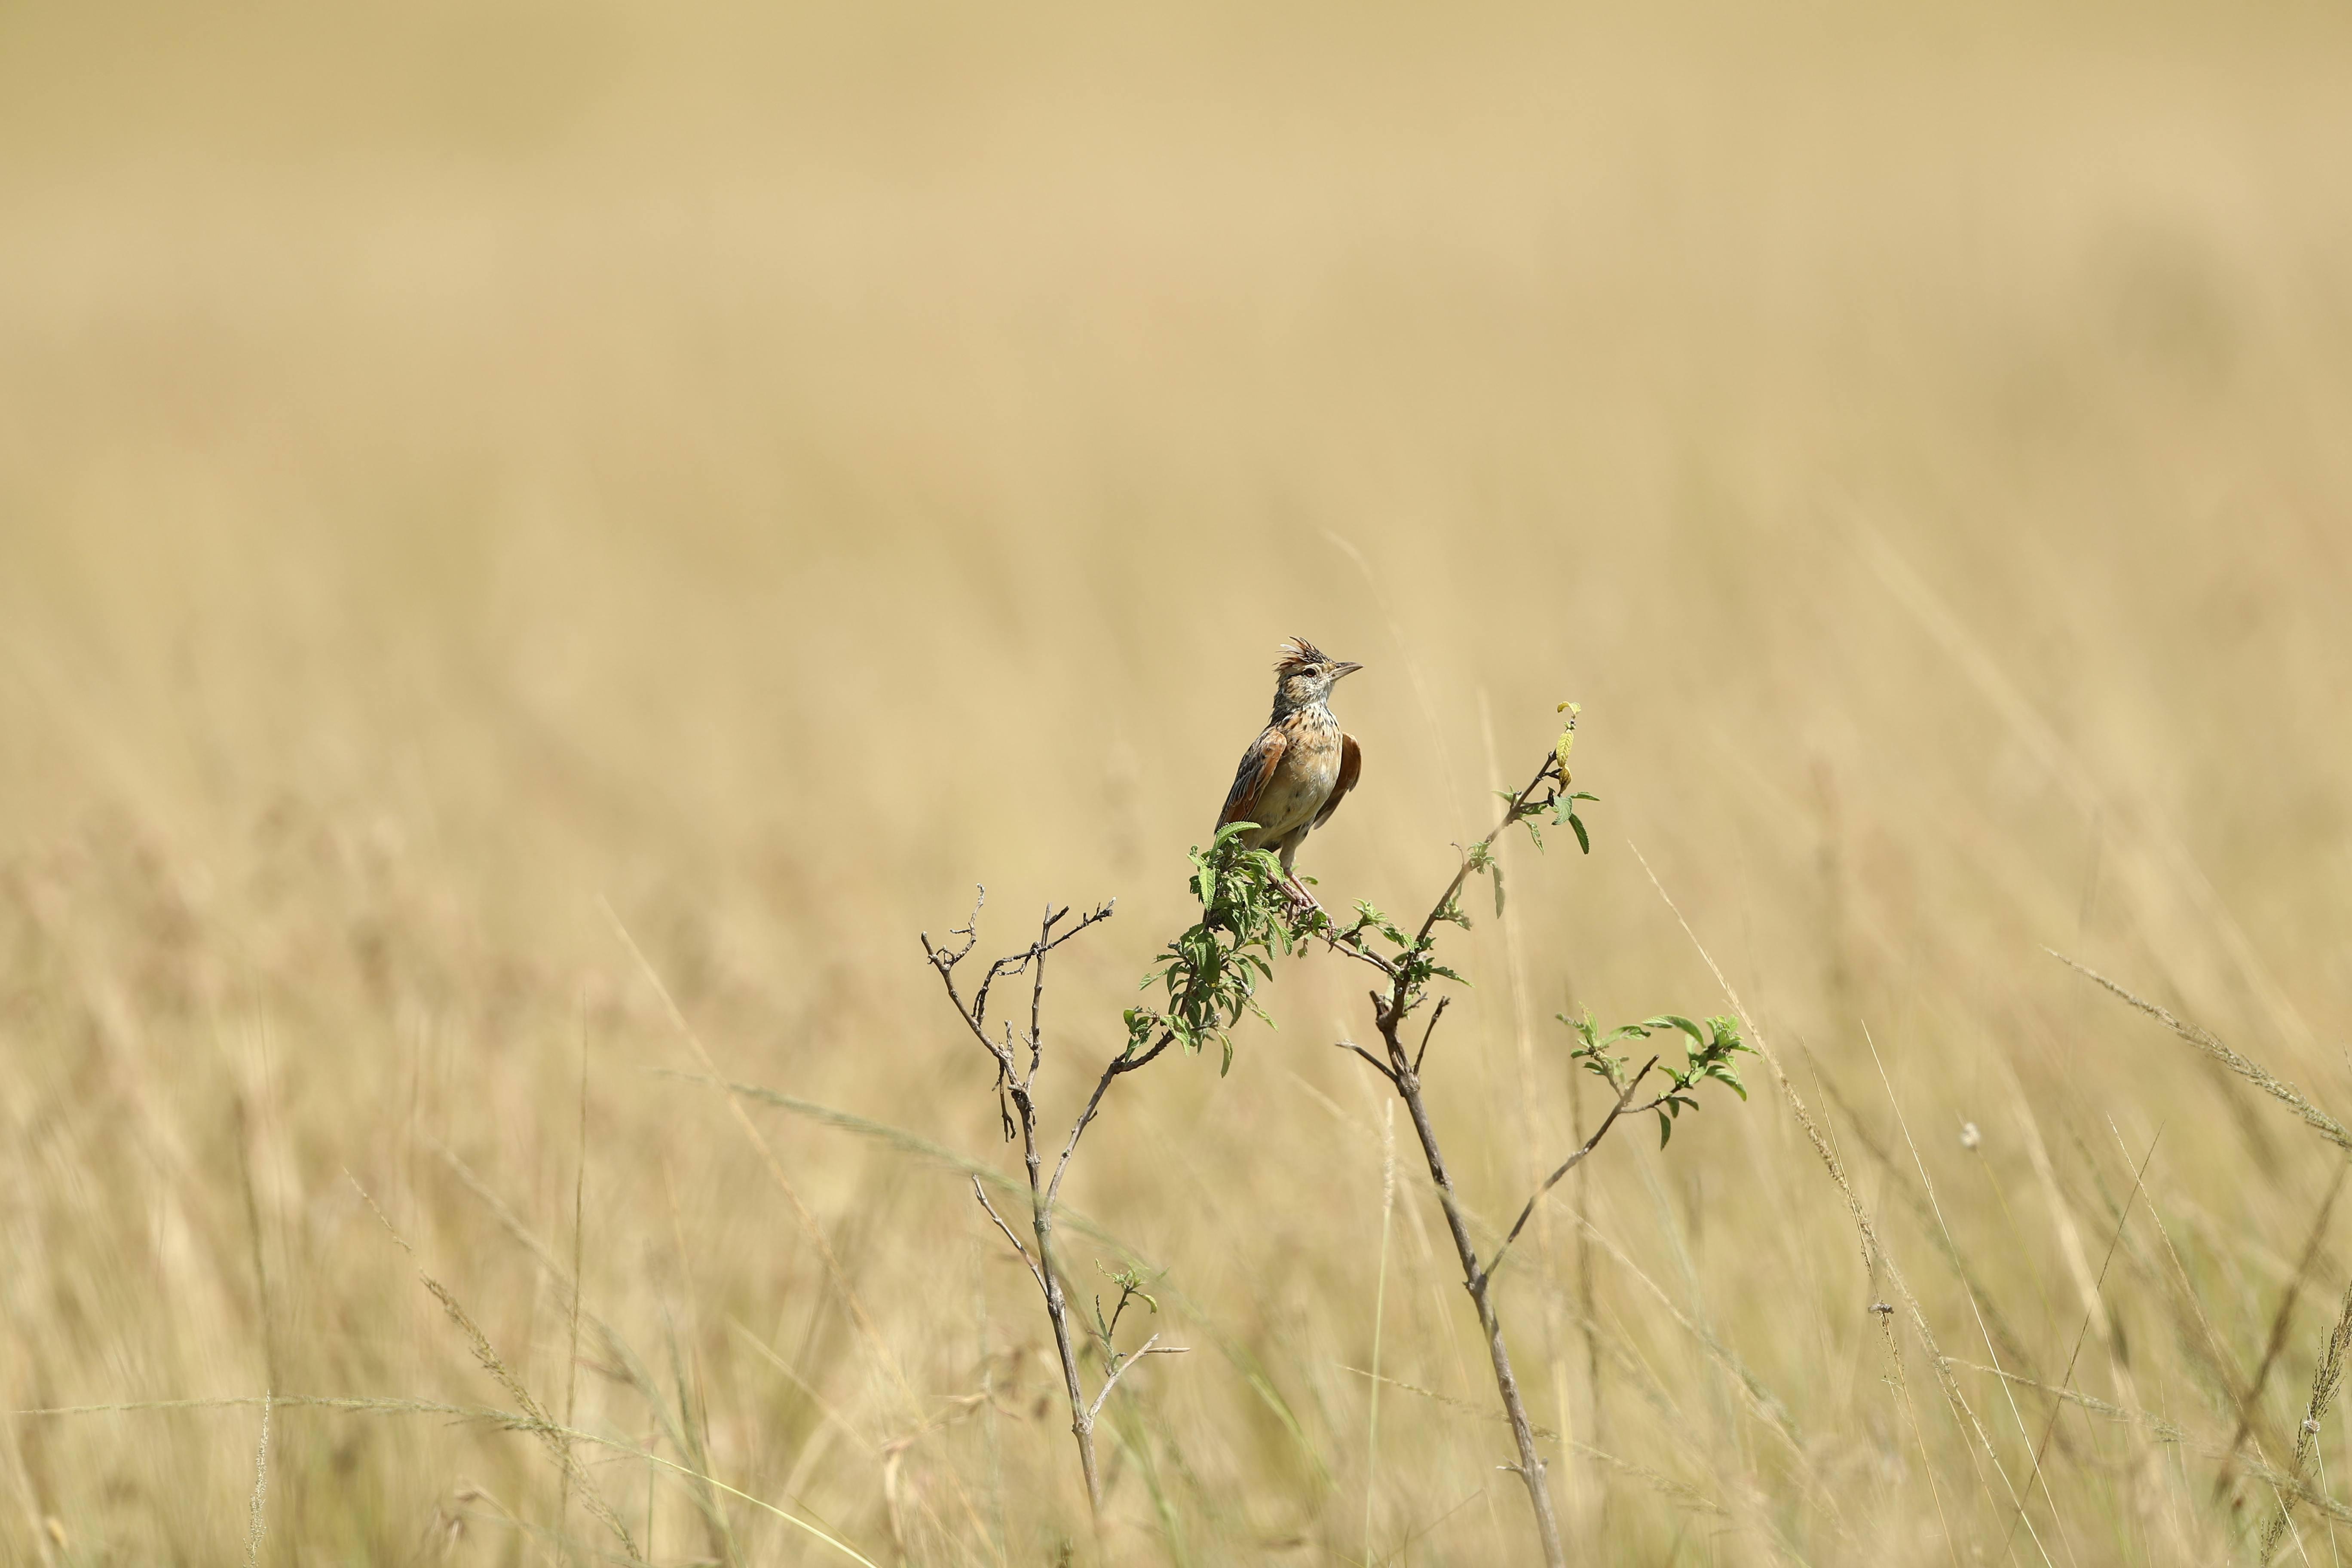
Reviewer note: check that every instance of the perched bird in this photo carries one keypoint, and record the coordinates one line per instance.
(1292, 776)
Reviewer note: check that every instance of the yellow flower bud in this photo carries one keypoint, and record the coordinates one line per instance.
(1567, 741)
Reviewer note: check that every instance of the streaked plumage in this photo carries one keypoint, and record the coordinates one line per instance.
(1302, 764)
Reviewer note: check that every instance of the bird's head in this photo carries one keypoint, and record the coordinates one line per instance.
(1305, 675)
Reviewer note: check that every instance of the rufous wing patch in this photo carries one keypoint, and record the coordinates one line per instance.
(1252, 777)
(1351, 763)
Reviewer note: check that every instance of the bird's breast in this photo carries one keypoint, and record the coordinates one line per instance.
(1304, 778)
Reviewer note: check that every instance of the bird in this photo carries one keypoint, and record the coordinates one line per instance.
(1302, 764)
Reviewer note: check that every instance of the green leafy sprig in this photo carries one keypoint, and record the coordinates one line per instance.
(1211, 972)
(1130, 1283)
(1707, 1055)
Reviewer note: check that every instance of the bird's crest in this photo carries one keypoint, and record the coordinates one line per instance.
(1296, 655)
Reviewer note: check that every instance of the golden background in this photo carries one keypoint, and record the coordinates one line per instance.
(759, 472)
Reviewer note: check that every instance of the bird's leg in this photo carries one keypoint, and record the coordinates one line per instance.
(1302, 902)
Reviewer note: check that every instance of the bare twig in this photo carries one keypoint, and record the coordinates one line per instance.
(1624, 1097)
(1150, 1347)
(1435, 1014)
(1030, 1263)
(1015, 1083)
(1350, 943)
(1378, 1066)
(1126, 1064)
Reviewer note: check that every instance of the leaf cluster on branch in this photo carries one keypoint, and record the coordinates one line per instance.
(1708, 1055)
(1211, 970)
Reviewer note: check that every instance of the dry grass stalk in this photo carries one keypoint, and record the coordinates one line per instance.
(2325, 1378)
(555, 1438)
(522, 1420)
(2205, 1040)
(1877, 1262)
(257, 1511)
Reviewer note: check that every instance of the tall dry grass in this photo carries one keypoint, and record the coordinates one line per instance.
(466, 469)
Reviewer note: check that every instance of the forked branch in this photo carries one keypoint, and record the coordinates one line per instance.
(1018, 1056)
(1411, 969)
(1118, 1370)
(1625, 1099)
(1377, 1064)
(1028, 1262)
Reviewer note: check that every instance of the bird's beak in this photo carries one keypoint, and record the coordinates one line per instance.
(1343, 668)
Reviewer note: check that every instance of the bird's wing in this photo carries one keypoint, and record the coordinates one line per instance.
(1351, 763)
(1251, 778)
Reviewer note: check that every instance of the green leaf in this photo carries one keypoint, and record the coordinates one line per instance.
(1666, 1128)
(1678, 1021)
(1496, 871)
(1583, 839)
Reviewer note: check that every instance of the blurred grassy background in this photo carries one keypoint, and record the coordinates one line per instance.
(465, 466)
